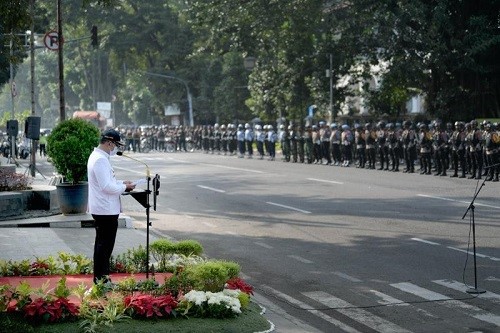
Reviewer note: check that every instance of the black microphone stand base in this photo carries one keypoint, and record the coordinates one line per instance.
(475, 291)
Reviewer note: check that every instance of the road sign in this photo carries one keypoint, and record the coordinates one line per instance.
(51, 40)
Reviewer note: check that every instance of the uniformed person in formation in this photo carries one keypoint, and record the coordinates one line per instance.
(240, 136)
(204, 138)
(285, 144)
(249, 137)
(346, 141)
(271, 141)
(475, 150)
(492, 144)
(233, 139)
(259, 140)
(224, 139)
(409, 138)
(316, 145)
(393, 146)
(425, 143)
(458, 149)
(383, 150)
(360, 141)
(371, 137)
(308, 144)
(335, 138)
(294, 143)
(324, 133)
(217, 139)
(300, 144)
(440, 148)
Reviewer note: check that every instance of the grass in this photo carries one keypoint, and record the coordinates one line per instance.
(247, 322)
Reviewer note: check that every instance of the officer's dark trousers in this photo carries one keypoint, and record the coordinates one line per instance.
(105, 236)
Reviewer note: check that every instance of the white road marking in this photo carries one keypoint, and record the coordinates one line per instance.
(264, 245)
(471, 253)
(347, 277)
(454, 200)
(425, 241)
(325, 181)
(388, 300)
(306, 307)
(303, 260)
(360, 315)
(492, 278)
(211, 189)
(231, 168)
(455, 285)
(209, 224)
(232, 233)
(474, 311)
(288, 207)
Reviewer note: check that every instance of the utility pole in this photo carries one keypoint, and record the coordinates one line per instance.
(32, 70)
(62, 104)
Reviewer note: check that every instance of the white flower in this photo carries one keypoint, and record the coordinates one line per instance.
(196, 297)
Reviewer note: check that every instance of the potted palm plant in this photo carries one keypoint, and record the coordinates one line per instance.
(69, 146)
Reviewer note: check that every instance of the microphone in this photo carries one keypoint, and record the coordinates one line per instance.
(148, 173)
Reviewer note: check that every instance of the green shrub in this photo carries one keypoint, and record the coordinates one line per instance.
(212, 275)
(69, 146)
(188, 248)
(161, 250)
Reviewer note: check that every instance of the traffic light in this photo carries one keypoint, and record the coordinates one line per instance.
(93, 37)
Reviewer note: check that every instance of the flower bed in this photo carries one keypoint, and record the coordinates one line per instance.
(195, 288)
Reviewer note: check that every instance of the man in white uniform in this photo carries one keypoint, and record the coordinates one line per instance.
(104, 201)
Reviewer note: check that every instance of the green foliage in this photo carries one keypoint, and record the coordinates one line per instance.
(188, 247)
(69, 146)
(212, 275)
(133, 261)
(163, 252)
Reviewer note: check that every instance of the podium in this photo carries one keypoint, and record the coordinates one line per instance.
(143, 197)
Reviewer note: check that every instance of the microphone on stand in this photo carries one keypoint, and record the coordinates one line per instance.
(148, 173)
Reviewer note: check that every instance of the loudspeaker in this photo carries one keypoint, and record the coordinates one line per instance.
(32, 127)
(12, 127)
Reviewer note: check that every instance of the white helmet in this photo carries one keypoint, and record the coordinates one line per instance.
(270, 127)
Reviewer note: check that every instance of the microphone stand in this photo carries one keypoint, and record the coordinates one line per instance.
(471, 207)
(143, 198)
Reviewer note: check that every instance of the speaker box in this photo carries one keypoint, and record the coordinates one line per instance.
(12, 127)
(32, 127)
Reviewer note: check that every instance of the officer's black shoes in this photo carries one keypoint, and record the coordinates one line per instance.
(462, 176)
(454, 176)
(471, 177)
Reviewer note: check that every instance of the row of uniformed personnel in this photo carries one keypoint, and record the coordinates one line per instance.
(465, 148)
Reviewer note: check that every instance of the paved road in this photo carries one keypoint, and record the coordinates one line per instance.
(341, 249)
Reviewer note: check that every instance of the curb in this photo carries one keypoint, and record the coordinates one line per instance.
(62, 221)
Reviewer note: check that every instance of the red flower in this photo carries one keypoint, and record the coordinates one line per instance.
(237, 283)
(50, 310)
(148, 306)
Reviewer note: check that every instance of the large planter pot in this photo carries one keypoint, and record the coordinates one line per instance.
(73, 198)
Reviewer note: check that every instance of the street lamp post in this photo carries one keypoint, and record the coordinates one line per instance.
(329, 74)
(189, 97)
